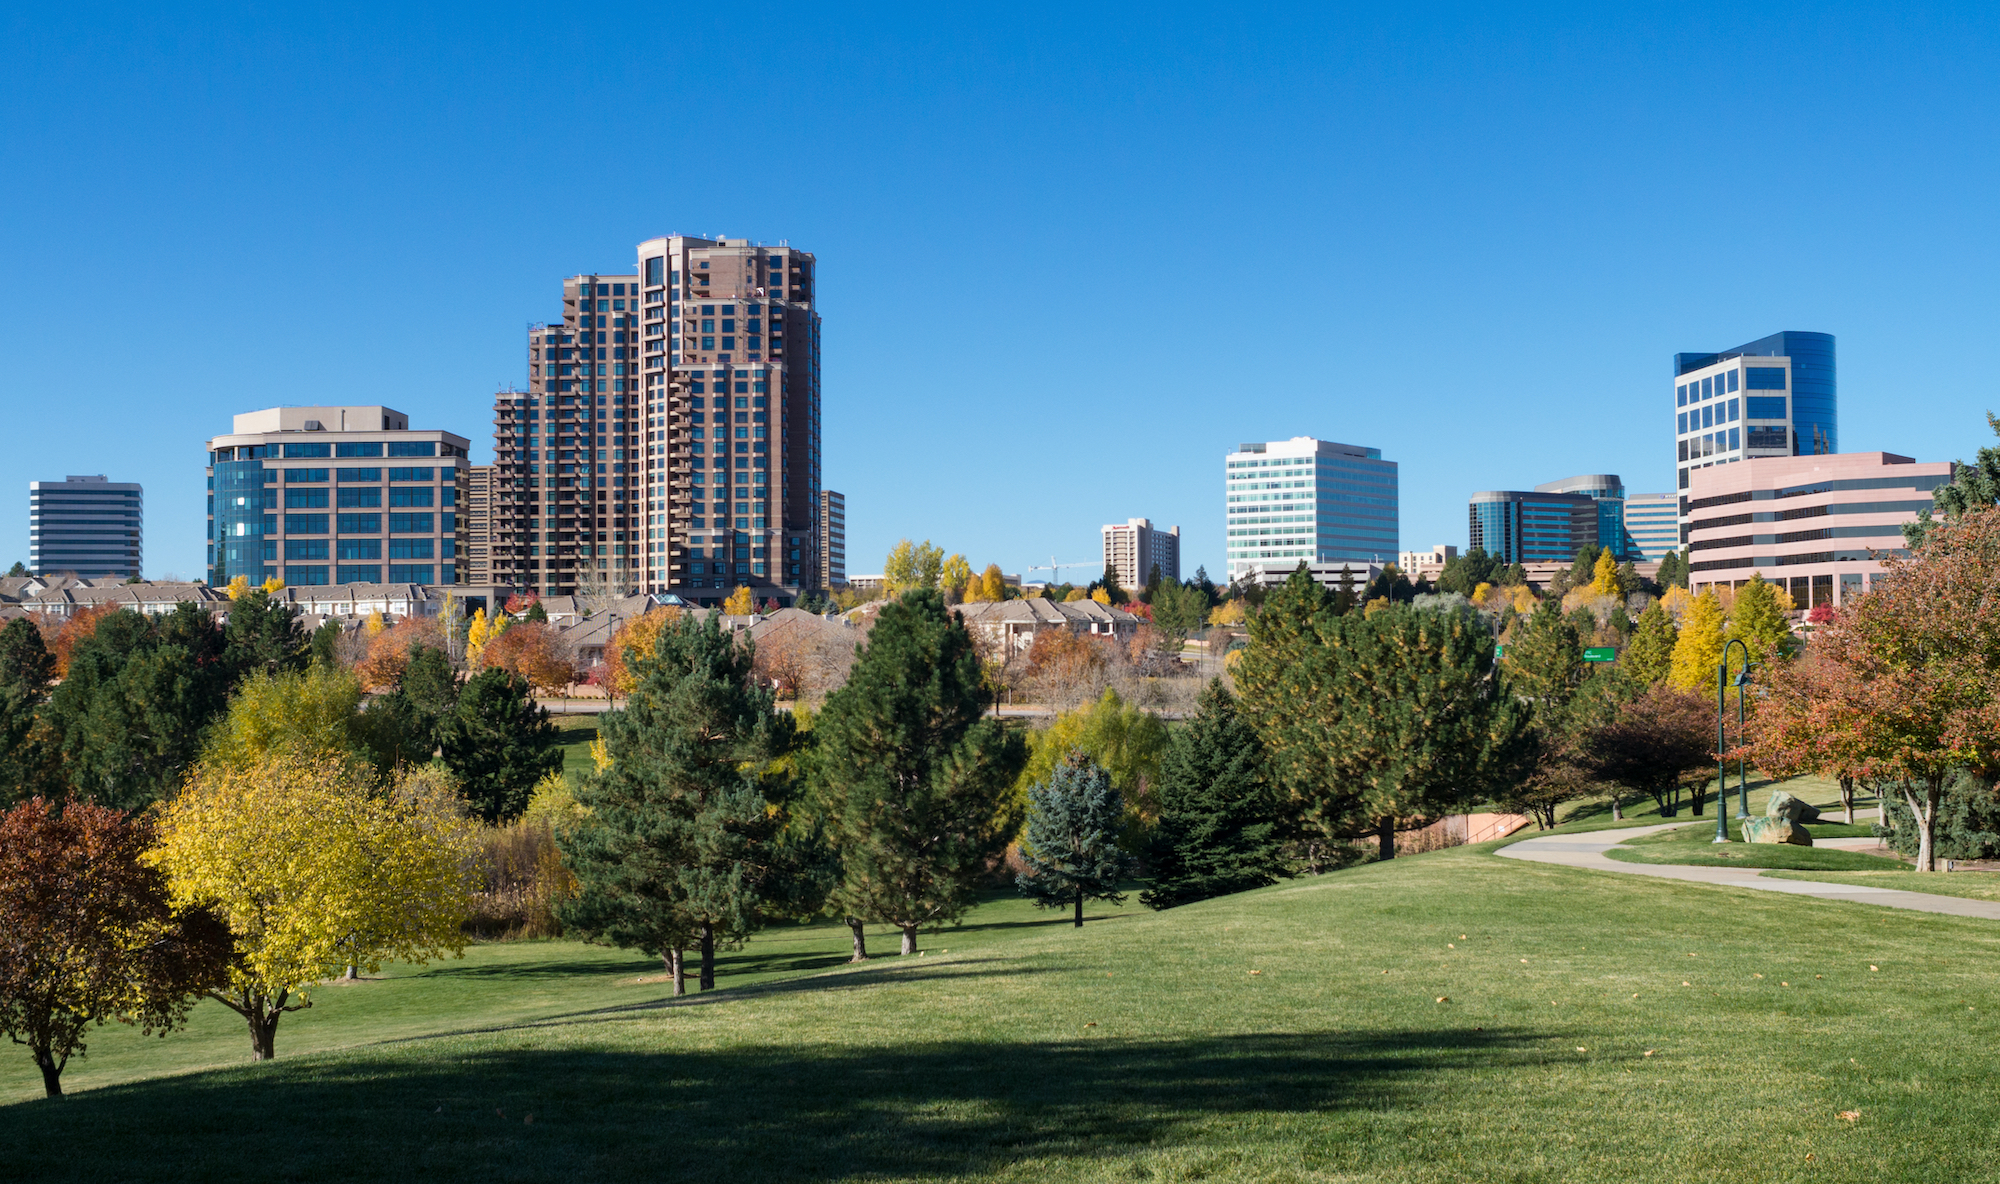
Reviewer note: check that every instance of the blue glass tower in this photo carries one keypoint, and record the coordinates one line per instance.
(1776, 396)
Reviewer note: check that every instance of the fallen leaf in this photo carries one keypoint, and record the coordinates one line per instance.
(1091, 1024)
(1524, 961)
(1444, 998)
(1760, 976)
(1649, 1052)
(1252, 972)
(1810, 1155)
(1635, 994)
(1450, 946)
(1851, 1115)
(1874, 968)
(1784, 984)
(1819, 976)
(1581, 1048)
(1685, 983)
(1461, 937)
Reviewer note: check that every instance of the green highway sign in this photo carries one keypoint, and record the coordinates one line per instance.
(1600, 653)
(1499, 651)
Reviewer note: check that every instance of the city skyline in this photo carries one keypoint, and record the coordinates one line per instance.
(1439, 198)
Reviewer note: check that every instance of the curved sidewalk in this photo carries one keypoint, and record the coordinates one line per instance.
(1587, 851)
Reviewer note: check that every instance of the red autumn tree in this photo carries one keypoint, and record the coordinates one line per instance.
(1655, 745)
(1787, 736)
(86, 933)
(534, 651)
(1910, 689)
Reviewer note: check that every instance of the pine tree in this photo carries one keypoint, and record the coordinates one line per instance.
(1072, 848)
(264, 634)
(325, 644)
(1649, 659)
(681, 845)
(1758, 620)
(917, 786)
(536, 612)
(499, 743)
(27, 758)
(1544, 658)
(1698, 649)
(1218, 829)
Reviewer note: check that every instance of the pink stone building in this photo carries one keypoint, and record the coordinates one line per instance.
(1813, 524)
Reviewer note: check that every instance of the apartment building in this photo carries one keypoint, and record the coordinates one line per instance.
(1132, 550)
(1310, 500)
(669, 438)
(336, 495)
(1814, 524)
(479, 524)
(833, 538)
(87, 526)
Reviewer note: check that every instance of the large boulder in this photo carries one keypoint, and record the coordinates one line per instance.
(1784, 805)
(1775, 830)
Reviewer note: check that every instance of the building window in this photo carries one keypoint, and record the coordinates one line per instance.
(1765, 378)
(1764, 407)
(306, 576)
(370, 495)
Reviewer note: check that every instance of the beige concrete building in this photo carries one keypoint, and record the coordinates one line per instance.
(1132, 549)
(336, 495)
(1815, 524)
(479, 524)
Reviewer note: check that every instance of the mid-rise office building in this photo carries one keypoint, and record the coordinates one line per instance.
(1776, 396)
(1653, 525)
(1309, 500)
(87, 526)
(669, 439)
(833, 538)
(1553, 521)
(336, 495)
(1813, 524)
(1132, 550)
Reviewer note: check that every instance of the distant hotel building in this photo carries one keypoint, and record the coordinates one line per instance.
(833, 538)
(1776, 396)
(1133, 549)
(1810, 523)
(669, 439)
(1552, 522)
(1308, 500)
(336, 495)
(85, 525)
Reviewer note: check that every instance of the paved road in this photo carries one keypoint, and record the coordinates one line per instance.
(1587, 851)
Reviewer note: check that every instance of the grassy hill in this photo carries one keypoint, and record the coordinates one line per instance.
(1445, 1017)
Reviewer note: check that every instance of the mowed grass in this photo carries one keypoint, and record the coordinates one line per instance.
(1445, 1017)
(577, 733)
(1695, 846)
(1971, 885)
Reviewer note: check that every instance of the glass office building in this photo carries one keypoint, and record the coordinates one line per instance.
(1776, 396)
(1308, 500)
(1553, 521)
(1652, 522)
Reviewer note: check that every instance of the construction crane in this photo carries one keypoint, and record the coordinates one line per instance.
(1055, 569)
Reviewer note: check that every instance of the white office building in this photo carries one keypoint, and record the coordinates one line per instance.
(1309, 500)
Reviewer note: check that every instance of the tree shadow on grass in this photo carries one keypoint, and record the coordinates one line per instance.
(759, 1112)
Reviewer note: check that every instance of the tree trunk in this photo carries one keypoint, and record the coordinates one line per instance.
(1386, 838)
(1079, 908)
(51, 1073)
(1926, 816)
(264, 1035)
(1847, 798)
(860, 941)
(675, 969)
(909, 939)
(707, 956)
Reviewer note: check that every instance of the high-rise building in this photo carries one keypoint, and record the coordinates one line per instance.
(1776, 396)
(1132, 550)
(85, 525)
(1814, 525)
(1308, 499)
(336, 495)
(479, 524)
(1653, 524)
(669, 439)
(833, 537)
(1552, 522)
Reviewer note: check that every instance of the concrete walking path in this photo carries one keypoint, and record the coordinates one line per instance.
(1587, 851)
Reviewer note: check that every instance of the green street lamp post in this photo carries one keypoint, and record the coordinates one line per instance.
(1722, 684)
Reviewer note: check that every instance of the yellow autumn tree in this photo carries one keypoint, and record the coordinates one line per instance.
(316, 869)
(1698, 650)
(1102, 597)
(636, 640)
(992, 584)
(475, 638)
(955, 574)
(1604, 580)
(238, 587)
(274, 584)
(740, 603)
(376, 622)
(1675, 603)
(1481, 594)
(1229, 612)
(314, 712)
(1078, 594)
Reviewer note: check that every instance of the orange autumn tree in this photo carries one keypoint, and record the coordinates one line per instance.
(637, 639)
(62, 636)
(389, 651)
(1906, 686)
(533, 651)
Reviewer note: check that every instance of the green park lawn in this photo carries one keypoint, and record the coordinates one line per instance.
(577, 733)
(1971, 885)
(1695, 846)
(1444, 1017)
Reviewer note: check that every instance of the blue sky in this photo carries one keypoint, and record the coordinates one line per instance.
(1069, 255)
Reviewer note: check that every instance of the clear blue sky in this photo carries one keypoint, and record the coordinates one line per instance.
(1069, 256)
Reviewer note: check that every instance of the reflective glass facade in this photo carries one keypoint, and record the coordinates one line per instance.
(1793, 412)
(245, 498)
(1311, 500)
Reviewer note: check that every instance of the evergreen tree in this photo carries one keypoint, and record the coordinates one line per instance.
(1209, 592)
(325, 644)
(1153, 578)
(499, 743)
(1463, 573)
(25, 662)
(681, 846)
(1544, 659)
(1584, 568)
(406, 726)
(1072, 848)
(19, 569)
(1649, 658)
(1218, 829)
(1673, 570)
(1758, 621)
(917, 785)
(1177, 612)
(537, 613)
(1110, 585)
(1698, 649)
(27, 759)
(264, 634)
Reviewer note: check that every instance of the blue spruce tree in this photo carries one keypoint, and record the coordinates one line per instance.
(1072, 850)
